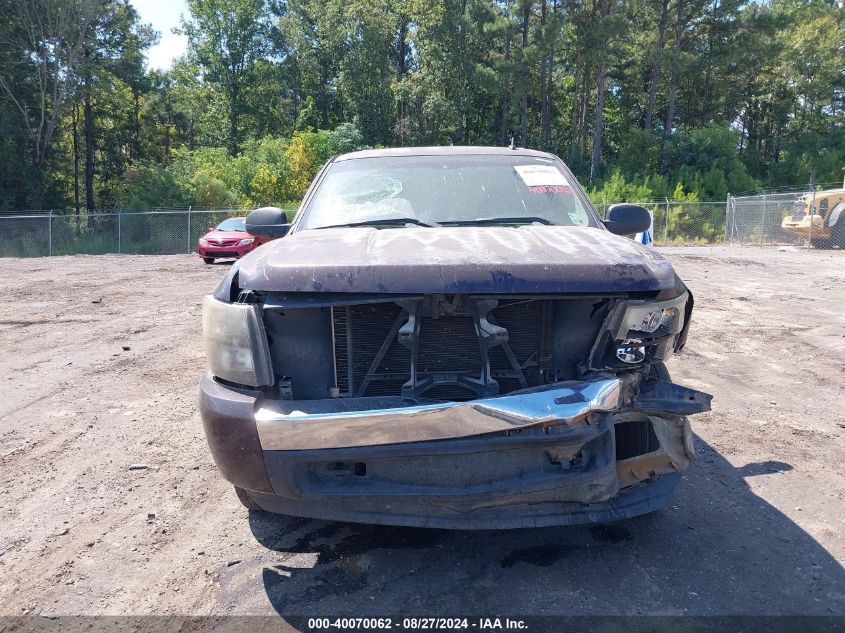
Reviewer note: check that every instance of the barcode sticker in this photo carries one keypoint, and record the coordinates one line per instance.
(541, 176)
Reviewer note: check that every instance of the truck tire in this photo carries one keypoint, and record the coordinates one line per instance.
(246, 500)
(821, 243)
(838, 231)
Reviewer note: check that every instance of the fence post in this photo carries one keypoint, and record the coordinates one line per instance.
(119, 247)
(666, 224)
(763, 221)
(50, 234)
(812, 211)
(727, 216)
(189, 229)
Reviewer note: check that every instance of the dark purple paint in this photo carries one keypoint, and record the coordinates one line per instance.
(526, 259)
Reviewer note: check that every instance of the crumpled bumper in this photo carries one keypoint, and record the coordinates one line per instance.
(345, 423)
(545, 456)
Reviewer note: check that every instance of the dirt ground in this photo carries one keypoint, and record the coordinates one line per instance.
(100, 362)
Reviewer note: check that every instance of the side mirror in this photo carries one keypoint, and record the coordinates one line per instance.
(267, 222)
(626, 219)
(210, 228)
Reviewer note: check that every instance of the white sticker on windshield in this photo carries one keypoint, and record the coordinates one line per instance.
(543, 178)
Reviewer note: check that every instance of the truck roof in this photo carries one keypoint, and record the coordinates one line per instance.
(448, 150)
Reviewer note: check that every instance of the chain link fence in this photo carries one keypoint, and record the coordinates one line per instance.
(684, 223)
(756, 220)
(159, 232)
(172, 231)
(740, 220)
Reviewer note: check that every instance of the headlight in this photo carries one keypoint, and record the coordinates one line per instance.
(235, 342)
(642, 331)
(651, 319)
(203, 241)
(246, 241)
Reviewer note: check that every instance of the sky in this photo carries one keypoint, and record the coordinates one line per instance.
(163, 15)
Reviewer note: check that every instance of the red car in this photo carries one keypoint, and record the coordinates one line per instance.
(229, 239)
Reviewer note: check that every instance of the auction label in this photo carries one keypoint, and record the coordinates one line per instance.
(541, 176)
(417, 624)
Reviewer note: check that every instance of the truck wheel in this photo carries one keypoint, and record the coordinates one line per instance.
(246, 500)
(820, 243)
(208, 260)
(838, 231)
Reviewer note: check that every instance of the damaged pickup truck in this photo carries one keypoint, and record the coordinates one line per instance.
(449, 337)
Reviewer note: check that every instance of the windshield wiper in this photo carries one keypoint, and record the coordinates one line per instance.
(522, 219)
(381, 222)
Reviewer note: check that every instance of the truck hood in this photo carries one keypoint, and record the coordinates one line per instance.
(525, 259)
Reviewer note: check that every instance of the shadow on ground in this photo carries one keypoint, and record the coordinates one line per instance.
(717, 548)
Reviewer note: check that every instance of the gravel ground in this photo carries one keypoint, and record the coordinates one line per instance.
(110, 502)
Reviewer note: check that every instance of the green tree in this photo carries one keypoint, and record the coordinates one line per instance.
(314, 35)
(43, 43)
(640, 96)
(228, 38)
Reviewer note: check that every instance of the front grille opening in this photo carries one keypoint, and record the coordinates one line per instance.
(635, 438)
(359, 332)
(447, 345)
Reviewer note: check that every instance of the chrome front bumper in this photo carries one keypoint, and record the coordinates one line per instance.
(289, 425)
(545, 456)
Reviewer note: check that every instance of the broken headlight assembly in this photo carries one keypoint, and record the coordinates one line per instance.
(640, 331)
(235, 343)
(651, 319)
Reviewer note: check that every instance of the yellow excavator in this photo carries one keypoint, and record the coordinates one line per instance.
(820, 217)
